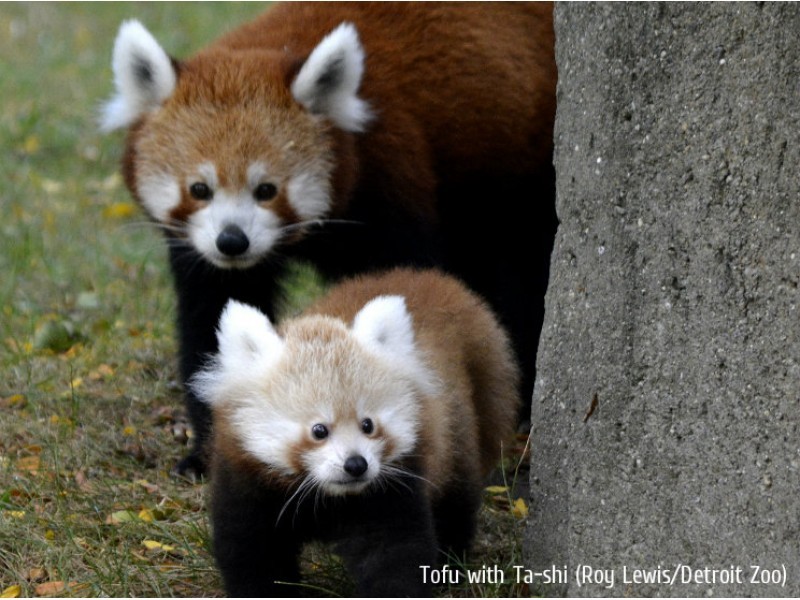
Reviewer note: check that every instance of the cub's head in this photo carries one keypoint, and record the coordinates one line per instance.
(234, 152)
(337, 407)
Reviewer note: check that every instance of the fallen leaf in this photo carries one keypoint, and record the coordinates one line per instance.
(111, 182)
(150, 487)
(13, 401)
(57, 588)
(101, 372)
(519, 509)
(497, 489)
(52, 186)
(121, 516)
(50, 588)
(36, 574)
(31, 144)
(155, 545)
(12, 591)
(120, 210)
(146, 515)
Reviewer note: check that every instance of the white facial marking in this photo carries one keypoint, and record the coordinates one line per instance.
(310, 195)
(207, 173)
(258, 173)
(261, 226)
(160, 194)
(266, 434)
(259, 223)
(326, 464)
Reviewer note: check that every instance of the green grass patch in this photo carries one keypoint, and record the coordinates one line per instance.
(91, 419)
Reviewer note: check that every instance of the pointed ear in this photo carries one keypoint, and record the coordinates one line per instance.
(143, 75)
(328, 81)
(245, 336)
(385, 325)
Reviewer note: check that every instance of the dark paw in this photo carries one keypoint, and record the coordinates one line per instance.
(191, 467)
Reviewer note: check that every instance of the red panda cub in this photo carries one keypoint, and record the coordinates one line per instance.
(357, 136)
(370, 421)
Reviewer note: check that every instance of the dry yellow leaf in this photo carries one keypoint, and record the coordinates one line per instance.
(15, 400)
(497, 489)
(146, 515)
(154, 545)
(12, 591)
(101, 372)
(31, 144)
(120, 210)
(519, 509)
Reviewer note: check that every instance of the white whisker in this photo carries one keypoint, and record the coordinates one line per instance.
(303, 487)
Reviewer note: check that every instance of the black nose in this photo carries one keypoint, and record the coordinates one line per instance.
(232, 241)
(356, 465)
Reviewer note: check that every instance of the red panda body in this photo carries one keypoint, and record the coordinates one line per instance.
(370, 421)
(357, 136)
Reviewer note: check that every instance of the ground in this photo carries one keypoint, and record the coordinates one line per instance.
(90, 412)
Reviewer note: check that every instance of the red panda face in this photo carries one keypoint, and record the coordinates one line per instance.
(233, 167)
(233, 151)
(346, 455)
(335, 407)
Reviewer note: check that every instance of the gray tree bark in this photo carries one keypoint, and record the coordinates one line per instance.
(667, 402)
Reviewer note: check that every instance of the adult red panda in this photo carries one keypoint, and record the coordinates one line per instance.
(370, 421)
(355, 135)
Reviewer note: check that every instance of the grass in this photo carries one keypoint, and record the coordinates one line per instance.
(90, 412)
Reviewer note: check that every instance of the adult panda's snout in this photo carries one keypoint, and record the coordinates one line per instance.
(232, 241)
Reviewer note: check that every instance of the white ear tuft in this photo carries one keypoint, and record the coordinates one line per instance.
(385, 325)
(248, 344)
(328, 82)
(143, 75)
(246, 336)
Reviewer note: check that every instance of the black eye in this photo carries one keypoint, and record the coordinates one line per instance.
(265, 191)
(200, 191)
(319, 431)
(367, 426)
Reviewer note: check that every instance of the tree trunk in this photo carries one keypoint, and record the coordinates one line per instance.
(667, 401)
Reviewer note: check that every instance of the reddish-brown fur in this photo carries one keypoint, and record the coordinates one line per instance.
(466, 348)
(463, 408)
(453, 170)
(462, 429)
(440, 114)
